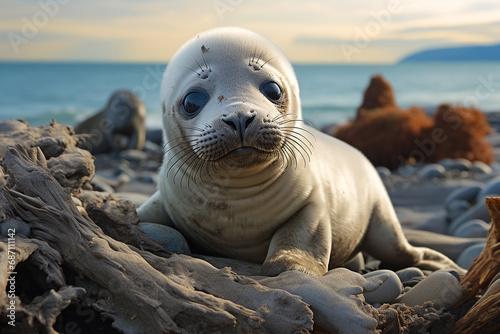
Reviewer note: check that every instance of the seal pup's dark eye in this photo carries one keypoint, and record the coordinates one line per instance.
(194, 101)
(272, 91)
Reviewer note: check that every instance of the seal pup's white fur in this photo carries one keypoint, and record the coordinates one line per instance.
(244, 177)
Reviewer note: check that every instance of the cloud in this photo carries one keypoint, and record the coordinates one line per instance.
(152, 30)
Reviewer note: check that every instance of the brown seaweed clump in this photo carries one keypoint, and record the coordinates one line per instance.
(390, 136)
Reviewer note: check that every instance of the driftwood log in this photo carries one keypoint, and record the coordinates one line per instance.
(484, 315)
(144, 293)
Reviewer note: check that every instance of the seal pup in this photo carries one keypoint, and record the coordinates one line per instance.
(244, 177)
(120, 125)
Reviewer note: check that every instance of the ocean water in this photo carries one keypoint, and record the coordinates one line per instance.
(70, 92)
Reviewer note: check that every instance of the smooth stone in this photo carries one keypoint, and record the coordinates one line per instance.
(478, 211)
(76, 201)
(481, 168)
(432, 171)
(475, 228)
(468, 193)
(445, 162)
(123, 168)
(383, 171)
(356, 264)
(15, 226)
(465, 259)
(495, 166)
(491, 188)
(148, 177)
(390, 289)
(406, 170)
(152, 165)
(137, 198)
(123, 179)
(456, 208)
(152, 147)
(493, 287)
(336, 298)
(441, 287)
(133, 155)
(102, 184)
(462, 165)
(171, 239)
(410, 276)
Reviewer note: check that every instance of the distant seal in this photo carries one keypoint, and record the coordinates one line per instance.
(120, 125)
(243, 177)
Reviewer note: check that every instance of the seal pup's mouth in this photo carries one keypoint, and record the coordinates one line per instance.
(246, 156)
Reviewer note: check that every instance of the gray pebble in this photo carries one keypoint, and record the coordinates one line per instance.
(406, 170)
(456, 208)
(123, 179)
(410, 276)
(495, 166)
(468, 194)
(491, 188)
(383, 172)
(475, 228)
(134, 155)
(388, 291)
(440, 287)
(481, 168)
(148, 177)
(493, 287)
(171, 239)
(463, 165)
(356, 264)
(465, 259)
(432, 171)
(445, 162)
(478, 211)
(15, 226)
(102, 186)
(149, 146)
(123, 168)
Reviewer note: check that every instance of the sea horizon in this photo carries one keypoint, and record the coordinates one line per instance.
(70, 91)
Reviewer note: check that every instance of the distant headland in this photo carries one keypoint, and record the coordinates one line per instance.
(467, 53)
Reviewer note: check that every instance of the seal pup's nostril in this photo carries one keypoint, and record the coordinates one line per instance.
(239, 122)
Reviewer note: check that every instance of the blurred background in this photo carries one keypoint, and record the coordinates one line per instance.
(62, 59)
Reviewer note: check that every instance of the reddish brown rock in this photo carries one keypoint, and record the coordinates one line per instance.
(379, 94)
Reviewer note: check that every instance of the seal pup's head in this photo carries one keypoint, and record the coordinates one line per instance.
(230, 101)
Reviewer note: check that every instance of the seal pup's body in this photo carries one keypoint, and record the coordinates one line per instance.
(243, 177)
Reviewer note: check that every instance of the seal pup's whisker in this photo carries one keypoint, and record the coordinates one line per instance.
(260, 55)
(296, 142)
(199, 74)
(206, 65)
(186, 142)
(267, 61)
(292, 131)
(183, 154)
(196, 159)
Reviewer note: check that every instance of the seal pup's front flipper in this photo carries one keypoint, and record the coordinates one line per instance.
(153, 211)
(303, 243)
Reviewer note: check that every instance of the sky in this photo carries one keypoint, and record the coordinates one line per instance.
(312, 31)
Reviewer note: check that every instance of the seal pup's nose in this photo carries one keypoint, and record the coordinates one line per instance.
(239, 122)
